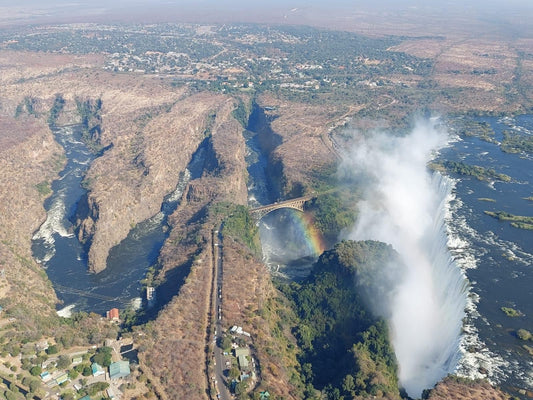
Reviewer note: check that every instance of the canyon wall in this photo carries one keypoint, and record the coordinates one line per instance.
(29, 161)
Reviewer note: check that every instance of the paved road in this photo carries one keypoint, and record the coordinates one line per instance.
(219, 357)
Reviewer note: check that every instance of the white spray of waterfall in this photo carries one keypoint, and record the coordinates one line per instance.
(405, 205)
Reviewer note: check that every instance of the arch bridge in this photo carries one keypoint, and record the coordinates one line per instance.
(296, 204)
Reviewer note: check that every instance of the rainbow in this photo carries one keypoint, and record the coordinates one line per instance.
(306, 227)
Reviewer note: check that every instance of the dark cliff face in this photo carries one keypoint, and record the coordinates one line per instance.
(268, 140)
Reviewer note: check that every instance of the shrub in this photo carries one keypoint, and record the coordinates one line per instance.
(524, 334)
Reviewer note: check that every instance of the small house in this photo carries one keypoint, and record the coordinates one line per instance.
(77, 360)
(62, 378)
(242, 351)
(119, 369)
(51, 383)
(243, 362)
(45, 376)
(110, 393)
(113, 314)
(97, 369)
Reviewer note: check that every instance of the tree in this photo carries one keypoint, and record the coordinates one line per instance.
(234, 373)
(524, 334)
(36, 370)
(348, 385)
(96, 387)
(9, 395)
(14, 388)
(63, 362)
(241, 388)
(34, 385)
(103, 356)
(68, 395)
(226, 343)
(52, 349)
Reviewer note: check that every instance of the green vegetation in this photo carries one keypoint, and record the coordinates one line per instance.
(52, 349)
(57, 107)
(470, 127)
(333, 213)
(93, 388)
(511, 312)
(103, 356)
(242, 113)
(461, 168)
(210, 122)
(517, 221)
(345, 349)
(91, 120)
(240, 225)
(529, 349)
(28, 105)
(516, 143)
(524, 334)
(44, 188)
(63, 361)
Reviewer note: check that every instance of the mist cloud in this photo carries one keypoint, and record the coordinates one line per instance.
(404, 205)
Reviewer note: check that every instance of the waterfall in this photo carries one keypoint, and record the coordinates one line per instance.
(405, 205)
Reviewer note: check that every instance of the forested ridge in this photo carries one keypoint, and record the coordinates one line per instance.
(345, 350)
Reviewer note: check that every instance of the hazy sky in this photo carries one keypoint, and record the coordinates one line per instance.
(329, 13)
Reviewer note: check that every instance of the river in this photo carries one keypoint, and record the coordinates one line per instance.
(59, 251)
(496, 257)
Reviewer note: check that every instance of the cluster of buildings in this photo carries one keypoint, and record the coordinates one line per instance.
(237, 330)
(117, 370)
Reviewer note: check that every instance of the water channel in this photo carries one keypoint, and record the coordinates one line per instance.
(60, 252)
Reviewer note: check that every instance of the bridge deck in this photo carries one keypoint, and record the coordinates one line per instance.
(283, 204)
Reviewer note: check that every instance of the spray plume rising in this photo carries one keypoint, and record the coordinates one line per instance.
(405, 205)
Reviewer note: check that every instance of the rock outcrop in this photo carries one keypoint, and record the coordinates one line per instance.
(454, 388)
